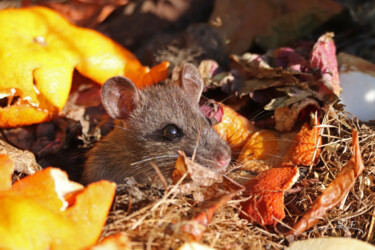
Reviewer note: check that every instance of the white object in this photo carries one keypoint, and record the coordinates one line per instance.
(357, 79)
(330, 243)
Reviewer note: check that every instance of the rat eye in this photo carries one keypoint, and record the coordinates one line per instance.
(171, 132)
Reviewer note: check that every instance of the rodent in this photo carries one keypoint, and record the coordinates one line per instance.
(156, 122)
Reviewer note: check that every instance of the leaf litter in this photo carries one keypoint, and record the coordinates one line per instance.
(157, 224)
(153, 215)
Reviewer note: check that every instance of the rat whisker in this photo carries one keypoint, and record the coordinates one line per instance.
(153, 158)
(197, 142)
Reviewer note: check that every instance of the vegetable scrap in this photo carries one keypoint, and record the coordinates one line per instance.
(36, 87)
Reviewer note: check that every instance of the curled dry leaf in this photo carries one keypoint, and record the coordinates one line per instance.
(198, 179)
(305, 148)
(40, 50)
(206, 185)
(287, 116)
(234, 128)
(261, 145)
(323, 57)
(335, 192)
(84, 13)
(202, 216)
(61, 213)
(265, 205)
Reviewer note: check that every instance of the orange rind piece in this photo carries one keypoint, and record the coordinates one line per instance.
(265, 205)
(305, 148)
(34, 213)
(234, 128)
(261, 145)
(39, 52)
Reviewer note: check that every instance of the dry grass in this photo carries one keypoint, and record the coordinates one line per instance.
(152, 216)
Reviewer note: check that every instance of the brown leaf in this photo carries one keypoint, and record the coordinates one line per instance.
(85, 13)
(286, 117)
(203, 215)
(335, 192)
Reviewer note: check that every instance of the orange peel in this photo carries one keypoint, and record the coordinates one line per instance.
(34, 212)
(266, 203)
(261, 145)
(39, 52)
(305, 149)
(234, 128)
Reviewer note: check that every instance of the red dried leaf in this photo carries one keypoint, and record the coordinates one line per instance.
(323, 57)
(335, 192)
(266, 204)
(289, 58)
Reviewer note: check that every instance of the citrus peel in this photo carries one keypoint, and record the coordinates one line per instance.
(261, 145)
(39, 53)
(234, 128)
(34, 213)
(265, 205)
(305, 149)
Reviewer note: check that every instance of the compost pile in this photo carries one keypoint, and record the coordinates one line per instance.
(302, 167)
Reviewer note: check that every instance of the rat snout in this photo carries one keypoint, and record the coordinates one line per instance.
(223, 160)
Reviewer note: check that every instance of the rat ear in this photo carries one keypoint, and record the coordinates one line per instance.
(119, 97)
(191, 82)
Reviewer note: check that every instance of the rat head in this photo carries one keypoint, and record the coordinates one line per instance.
(158, 122)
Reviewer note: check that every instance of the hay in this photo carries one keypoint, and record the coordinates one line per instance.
(152, 216)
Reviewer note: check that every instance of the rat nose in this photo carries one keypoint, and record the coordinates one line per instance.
(223, 160)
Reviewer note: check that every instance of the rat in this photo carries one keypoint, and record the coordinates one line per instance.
(154, 124)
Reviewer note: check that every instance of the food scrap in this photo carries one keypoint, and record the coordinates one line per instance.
(62, 213)
(265, 205)
(36, 76)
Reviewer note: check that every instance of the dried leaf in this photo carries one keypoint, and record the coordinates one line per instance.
(334, 193)
(323, 57)
(212, 111)
(195, 228)
(288, 58)
(286, 117)
(84, 13)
